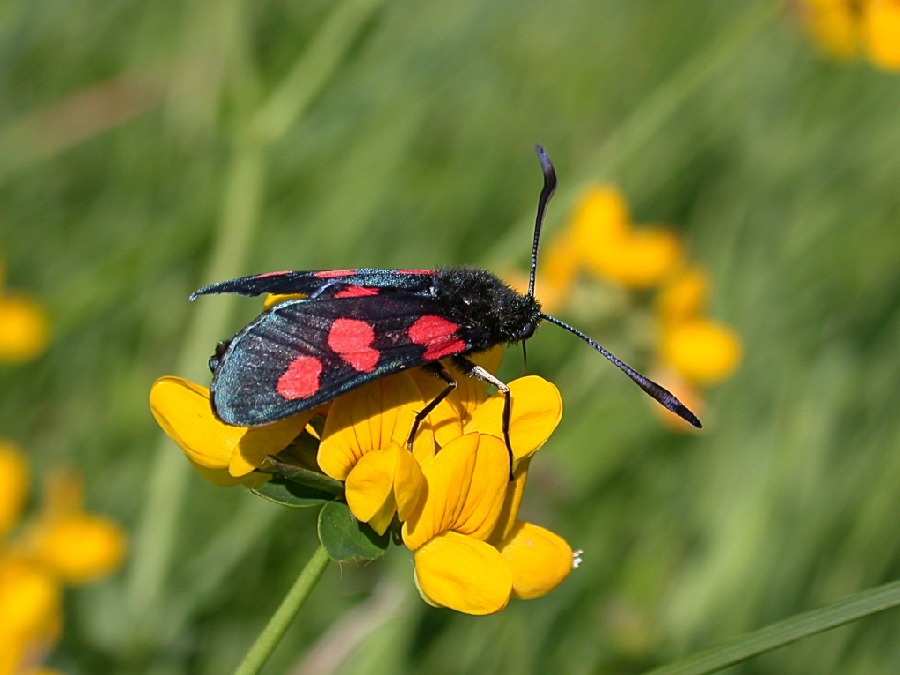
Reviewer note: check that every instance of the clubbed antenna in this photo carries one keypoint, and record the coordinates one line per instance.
(546, 192)
(662, 395)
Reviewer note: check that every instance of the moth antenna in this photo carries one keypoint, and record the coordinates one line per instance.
(524, 358)
(546, 192)
(662, 395)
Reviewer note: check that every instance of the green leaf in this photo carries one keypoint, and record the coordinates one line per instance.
(288, 493)
(347, 539)
(784, 632)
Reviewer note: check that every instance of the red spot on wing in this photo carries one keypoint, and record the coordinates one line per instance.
(438, 335)
(271, 274)
(301, 379)
(351, 339)
(414, 271)
(356, 292)
(327, 274)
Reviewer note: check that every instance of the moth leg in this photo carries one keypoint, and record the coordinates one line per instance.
(473, 370)
(216, 358)
(435, 368)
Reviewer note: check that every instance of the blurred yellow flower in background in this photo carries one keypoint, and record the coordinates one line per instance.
(601, 239)
(847, 28)
(700, 350)
(60, 545)
(704, 352)
(881, 33)
(600, 243)
(24, 330)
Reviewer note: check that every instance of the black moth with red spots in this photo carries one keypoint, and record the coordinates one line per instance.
(355, 326)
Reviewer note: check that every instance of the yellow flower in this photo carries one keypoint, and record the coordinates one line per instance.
(700, 350)
(364, 444)
(13, 485)
(76, 546)
(601, 214)
(455, 567)
(223, 454)
(63, 544)
(539, 559)
(833, 24)
(535, 410)
(471, 552)
(24, 331)
(607, 245)
(693, 350)
(684, 295)
(844, 28)
(80, 547)
(881, 33)
(31, 607)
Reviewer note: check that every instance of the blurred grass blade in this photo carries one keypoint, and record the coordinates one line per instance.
(766, 639)
(154, 539)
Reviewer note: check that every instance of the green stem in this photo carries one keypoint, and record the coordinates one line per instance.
(265, 644)
(784, 632)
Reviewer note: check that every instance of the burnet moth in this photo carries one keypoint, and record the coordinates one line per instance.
(357, 325)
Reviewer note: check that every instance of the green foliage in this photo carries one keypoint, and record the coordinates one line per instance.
(150, 148)
(345, 538)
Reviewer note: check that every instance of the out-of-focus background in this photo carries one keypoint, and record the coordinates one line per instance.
(147, 149)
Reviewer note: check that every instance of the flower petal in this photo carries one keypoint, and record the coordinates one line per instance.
(683, 296)
(509, 512)
(370, 484)
(409, 483)
(538, 558)
(273, 299)
(366, 419)
(702, 351)
(79, 547)
(257, 443)
(641, 260)
(450, 417)
(881, 27)
(462, 573)
(600, 217)
(223, 453)
(466, 485)
(24, 329)
(482, 498)
(447, 476)
(536, 411)
(30, 601)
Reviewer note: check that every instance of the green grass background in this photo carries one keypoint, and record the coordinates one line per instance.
(403, 138)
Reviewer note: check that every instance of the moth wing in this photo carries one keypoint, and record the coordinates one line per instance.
(320, 283)
(303, 353)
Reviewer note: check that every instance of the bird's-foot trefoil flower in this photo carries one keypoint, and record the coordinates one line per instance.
(445, 491)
